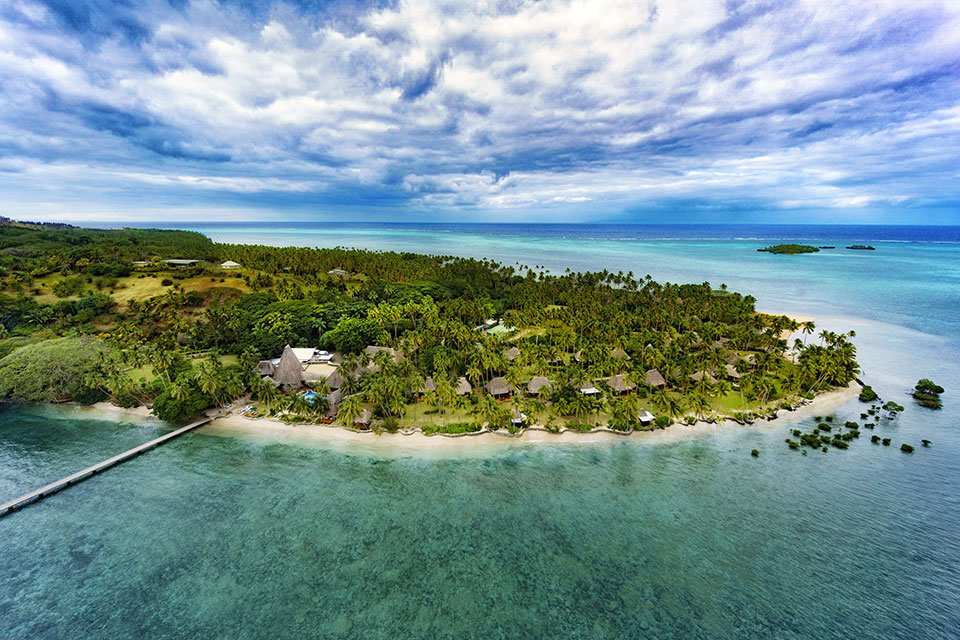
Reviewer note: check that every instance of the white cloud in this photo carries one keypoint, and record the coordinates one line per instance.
(544, 104)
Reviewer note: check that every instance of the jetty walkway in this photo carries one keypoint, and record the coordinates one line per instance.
(80, 476)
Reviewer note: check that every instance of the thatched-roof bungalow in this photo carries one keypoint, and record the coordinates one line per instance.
(620, 383)
(463, 387)
(270, 380)
(539, 384)
(335, 380)
(427, 386)
(646, 418)
(266, 367)
(373, 350)
(512, 353)
(333, 403)
(653, 379)
(700, 375)
(289, 373)
(732, 372)
(618, 353)
(498, 387)
(364, 418)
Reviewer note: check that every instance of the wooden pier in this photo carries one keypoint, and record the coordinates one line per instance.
(80, 476)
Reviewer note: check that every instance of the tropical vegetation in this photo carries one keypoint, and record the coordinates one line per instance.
(88, 315)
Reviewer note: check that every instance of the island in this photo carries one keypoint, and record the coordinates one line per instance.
(790, 249)
(386, 341)
(861, 247)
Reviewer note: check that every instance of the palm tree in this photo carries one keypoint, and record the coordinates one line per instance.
(807, 327)
(350, 409)
(700, 404)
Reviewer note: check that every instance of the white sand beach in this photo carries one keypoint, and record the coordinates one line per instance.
(268, 429)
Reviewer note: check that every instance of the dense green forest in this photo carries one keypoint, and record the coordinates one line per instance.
(88, 314)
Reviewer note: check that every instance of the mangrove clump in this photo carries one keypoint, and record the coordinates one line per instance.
(790, 249)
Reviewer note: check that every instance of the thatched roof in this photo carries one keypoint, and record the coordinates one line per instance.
(289, 373)
(270, 380)
(333, 403)
(653, 379)
(700, 375)
(373, 350)
(538, 383)
(335, 380)
(733, 358)
(266, 367)
(463, 387)
(618, 353)
(732, 372)
(428, 386)
(620, 383)
(364, 417)
(645, 417)
(512, 353)
(498, 387)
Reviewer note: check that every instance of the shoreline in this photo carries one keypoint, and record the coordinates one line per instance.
(414, 441)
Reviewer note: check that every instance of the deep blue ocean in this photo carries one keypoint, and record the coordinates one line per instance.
(230, 537)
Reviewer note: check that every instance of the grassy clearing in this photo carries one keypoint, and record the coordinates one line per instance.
(146, 371)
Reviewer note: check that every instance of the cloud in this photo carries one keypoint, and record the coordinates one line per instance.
(443, 109)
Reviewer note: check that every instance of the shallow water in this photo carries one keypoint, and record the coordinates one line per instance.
(213, 536)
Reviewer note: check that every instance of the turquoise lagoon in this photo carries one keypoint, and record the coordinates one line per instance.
(218, 536)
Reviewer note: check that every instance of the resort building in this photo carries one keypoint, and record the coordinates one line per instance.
(337, 272)
(181, 263)
(463, 387)
(335, 380)
(618, 353)
(653, 378)
(732, 373)
(512, 353)
(539, 384)
(373, 350)
(304, 356)
(620, 384)
(288, 372)
(334, 398)
(427, 386)
(646, 418)
(229, 264)
(498, 388)
(589, 390)
(701, 375)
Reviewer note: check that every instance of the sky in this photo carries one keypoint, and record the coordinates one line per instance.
(507, 111)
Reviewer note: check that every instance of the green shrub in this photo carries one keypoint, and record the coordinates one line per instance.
(166, 282)
(867, 394)
(928, 386)
(170, 409)
(52, 370)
